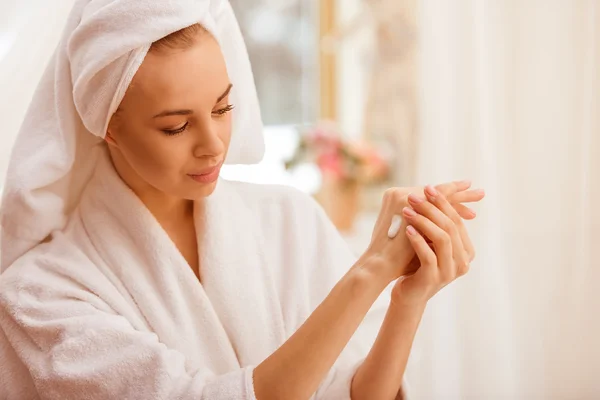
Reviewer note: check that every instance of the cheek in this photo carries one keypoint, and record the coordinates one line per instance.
(225, 132)
(153, 156)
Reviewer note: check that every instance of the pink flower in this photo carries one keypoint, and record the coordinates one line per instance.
(331, 163)
(339, 158)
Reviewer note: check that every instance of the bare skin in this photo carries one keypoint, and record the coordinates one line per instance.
(157, 167)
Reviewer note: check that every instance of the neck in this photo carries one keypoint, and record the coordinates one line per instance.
(166, 209)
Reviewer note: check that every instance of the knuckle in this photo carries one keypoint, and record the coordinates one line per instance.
(463, 268)
(447, 225)
(392, 194)
(443, 239)
(387, 195)
(471, 255)
(430, 259)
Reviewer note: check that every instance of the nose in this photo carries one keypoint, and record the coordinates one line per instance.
(209, 142)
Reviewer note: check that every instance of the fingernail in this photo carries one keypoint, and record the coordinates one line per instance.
(409, 212)
(411, 231)
(430, 190)
(466, 182)
(413, 198)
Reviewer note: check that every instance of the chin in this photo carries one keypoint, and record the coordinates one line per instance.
(201, 191)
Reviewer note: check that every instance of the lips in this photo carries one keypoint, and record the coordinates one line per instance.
(207, 175)
(207, 171)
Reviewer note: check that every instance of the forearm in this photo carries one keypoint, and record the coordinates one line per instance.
(297, 368)
(380, 375)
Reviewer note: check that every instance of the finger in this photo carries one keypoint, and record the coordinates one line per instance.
(467, 196)
(440, 239)
(444, 218)
(424, 253)
(464, 211)
(435, 216)
(438, 210)
(461, 242)
(439, 201)
(450, 188)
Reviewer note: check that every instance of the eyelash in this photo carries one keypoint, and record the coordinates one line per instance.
(220, 113)
(177, 131)
(224, 110)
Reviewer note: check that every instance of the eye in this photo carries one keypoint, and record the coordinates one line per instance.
(177, 131)
(224, 110)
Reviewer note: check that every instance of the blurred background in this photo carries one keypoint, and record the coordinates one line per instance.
(361, 95)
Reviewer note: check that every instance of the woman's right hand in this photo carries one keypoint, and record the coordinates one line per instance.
(392, 257)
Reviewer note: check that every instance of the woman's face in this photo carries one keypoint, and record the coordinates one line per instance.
(172, 130)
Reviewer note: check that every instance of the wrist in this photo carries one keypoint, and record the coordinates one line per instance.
(376, 268)
(407, 304)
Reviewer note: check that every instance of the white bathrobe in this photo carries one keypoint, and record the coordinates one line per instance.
(109, 308)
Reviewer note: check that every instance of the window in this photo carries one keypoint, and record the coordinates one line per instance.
(282, 39)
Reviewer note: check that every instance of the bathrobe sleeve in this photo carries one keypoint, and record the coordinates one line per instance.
(75, 347)
(330, 258)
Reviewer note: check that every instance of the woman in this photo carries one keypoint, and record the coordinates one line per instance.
(129, 270)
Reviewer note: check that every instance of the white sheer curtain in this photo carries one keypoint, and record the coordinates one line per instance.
(511, 97)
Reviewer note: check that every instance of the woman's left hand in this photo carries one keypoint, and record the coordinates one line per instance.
(442, 245)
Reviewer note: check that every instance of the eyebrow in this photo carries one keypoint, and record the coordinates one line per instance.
(226, 93)
(188, 112)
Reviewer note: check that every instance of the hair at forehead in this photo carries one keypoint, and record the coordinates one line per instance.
(181, 39)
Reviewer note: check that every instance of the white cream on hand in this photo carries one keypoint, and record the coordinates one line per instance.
(395, 226)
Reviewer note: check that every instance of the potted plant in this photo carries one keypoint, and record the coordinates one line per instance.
(345, 166)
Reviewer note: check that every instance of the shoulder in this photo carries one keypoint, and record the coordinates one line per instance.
(56, 267)
(22, 282)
